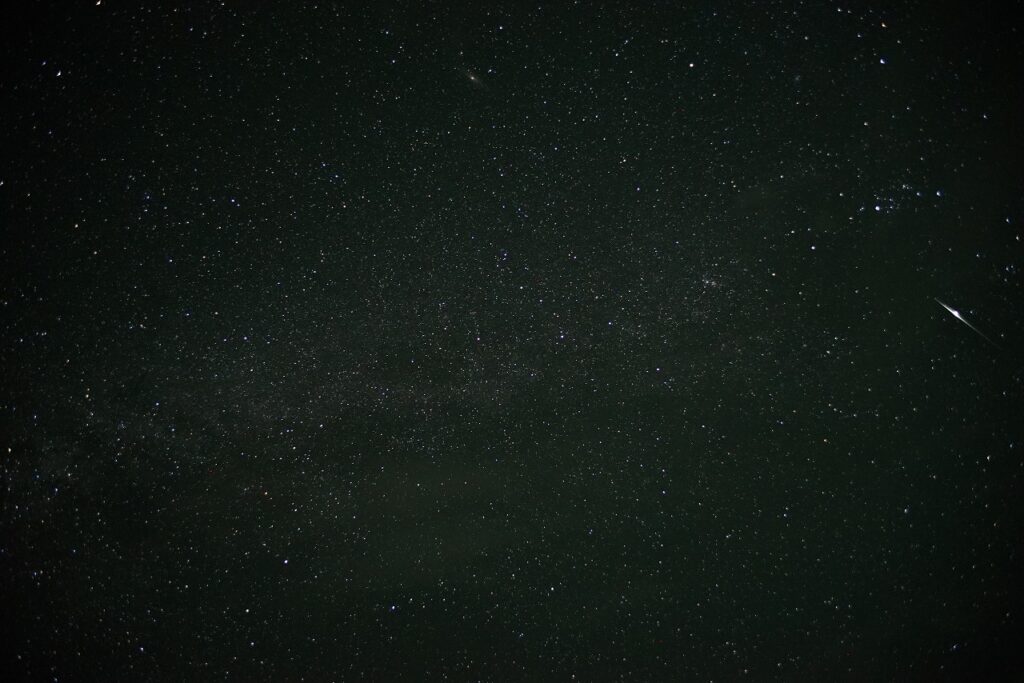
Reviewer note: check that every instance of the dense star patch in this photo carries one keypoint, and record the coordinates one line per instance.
(405, 342)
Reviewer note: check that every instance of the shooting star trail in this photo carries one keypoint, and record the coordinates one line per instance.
(956, 314)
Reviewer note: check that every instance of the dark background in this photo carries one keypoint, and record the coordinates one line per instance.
(511, 342)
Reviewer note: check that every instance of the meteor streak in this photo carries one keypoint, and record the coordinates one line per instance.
(956, 314)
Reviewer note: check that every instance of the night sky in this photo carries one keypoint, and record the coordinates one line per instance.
(432, 341)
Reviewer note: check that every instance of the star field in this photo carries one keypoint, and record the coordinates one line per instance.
(510, 342)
